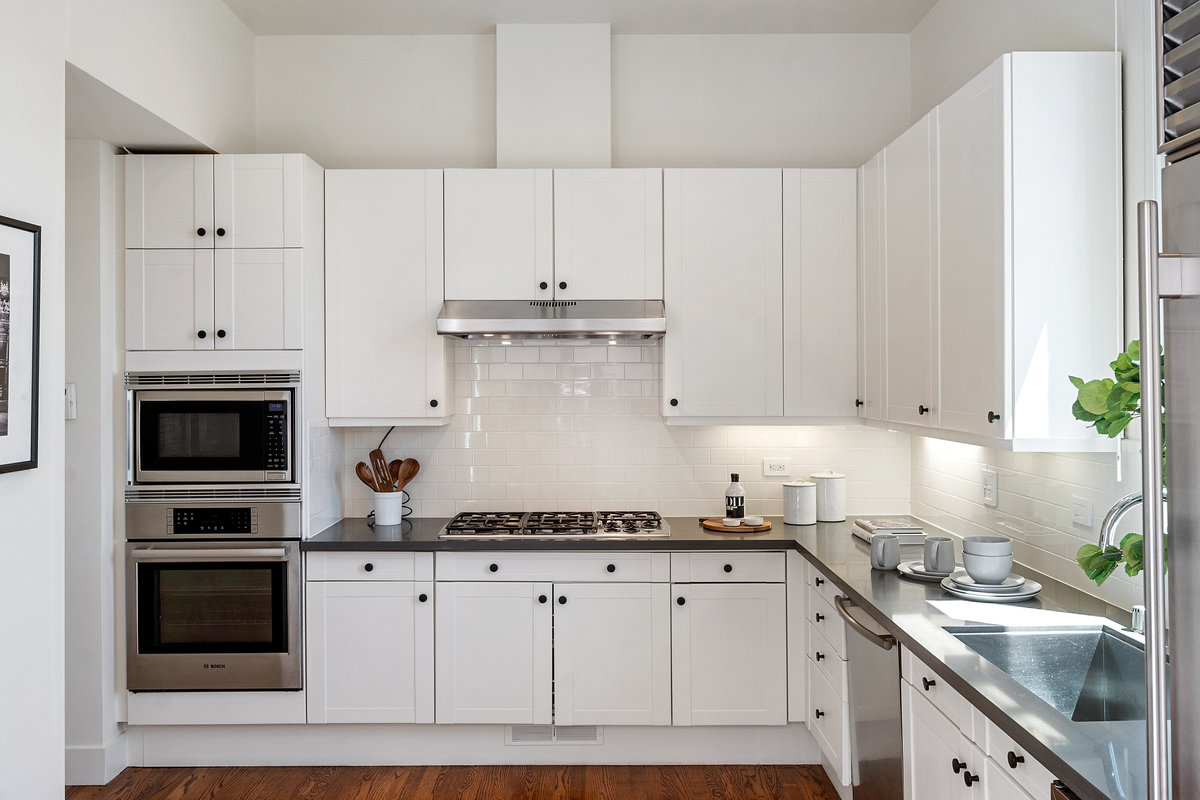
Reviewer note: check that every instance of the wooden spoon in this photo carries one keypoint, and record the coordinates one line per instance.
(365, 475)
(379, 466)
(394, 471)
(409, 468)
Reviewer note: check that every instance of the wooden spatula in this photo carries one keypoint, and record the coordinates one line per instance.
(394, 471)
(365, 475)
(379, 466)
(409, 468)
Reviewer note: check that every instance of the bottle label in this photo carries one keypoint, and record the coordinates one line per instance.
(735, 506)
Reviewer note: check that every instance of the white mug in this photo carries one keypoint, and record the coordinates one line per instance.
(939, 554)
(885, 551)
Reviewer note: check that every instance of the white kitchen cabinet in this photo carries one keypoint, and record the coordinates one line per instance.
(499, 234)
(1000, 786)
(169, 300)
(797, 636)
(612, 654)
(939, 760)
(384, 361)
(257, 302)
(493, 652)
(870, 290)
(214, 201)
(369, 651)
(820, 336)
(608, 236)
(723, 289)
(910, 273)
(729, 654)
(828, 693)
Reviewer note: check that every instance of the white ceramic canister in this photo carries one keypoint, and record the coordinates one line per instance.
(831, 496)
(389, 507)
(800, 503)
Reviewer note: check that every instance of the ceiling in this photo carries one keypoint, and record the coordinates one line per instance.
(394, 17)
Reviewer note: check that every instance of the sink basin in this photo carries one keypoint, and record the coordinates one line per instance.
(1089, 674)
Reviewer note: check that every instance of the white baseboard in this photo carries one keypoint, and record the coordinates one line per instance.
(362, 745)
(96, 766)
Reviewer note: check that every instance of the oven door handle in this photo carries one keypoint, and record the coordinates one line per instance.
(221, 554)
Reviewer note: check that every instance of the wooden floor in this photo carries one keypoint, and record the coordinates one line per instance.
(465, 783)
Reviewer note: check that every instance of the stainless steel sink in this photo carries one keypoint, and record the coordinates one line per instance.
(1089, 674)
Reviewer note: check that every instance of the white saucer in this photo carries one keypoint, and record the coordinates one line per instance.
(916, 570)
(966, 583)
(1028, 592)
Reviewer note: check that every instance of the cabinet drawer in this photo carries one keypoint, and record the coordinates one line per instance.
(369, 566)
(727, 567)
(557, 567)
(822, 584)
(822, 617)
(1013, 760)
(928, 684)
(823, 657)
(828, 720)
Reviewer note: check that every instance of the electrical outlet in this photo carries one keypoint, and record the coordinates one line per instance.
(71, 407)
(777, 467)
(991, 488)
(1081, 511)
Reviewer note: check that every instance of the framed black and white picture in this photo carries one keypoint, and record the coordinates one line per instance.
(20, 255)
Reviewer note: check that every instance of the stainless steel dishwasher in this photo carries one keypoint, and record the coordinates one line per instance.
(876, 746)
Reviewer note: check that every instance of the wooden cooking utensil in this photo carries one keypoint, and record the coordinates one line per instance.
(379, 466)
(394, 472)
(365, 475)
(409, 468)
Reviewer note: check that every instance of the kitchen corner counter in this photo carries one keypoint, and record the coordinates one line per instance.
(1097, 760)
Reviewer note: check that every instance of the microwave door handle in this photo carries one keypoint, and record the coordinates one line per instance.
(223, 554)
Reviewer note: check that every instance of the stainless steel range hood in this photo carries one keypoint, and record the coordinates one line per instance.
(552, 319)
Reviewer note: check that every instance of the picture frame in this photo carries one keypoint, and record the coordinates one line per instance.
(20, 306)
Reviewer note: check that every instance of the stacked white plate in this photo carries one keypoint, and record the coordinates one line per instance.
(916, 570)
(1012, 589)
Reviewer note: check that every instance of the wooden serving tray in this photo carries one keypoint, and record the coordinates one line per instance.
(715, 526)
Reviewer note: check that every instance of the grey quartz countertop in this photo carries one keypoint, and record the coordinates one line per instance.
(1097, 760)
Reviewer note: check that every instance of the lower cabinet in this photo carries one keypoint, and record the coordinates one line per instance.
(828, 706)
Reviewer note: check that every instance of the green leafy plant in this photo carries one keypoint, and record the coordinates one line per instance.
(1109, 405)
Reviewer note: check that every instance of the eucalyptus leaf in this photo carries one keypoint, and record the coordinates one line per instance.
(1076, 382)
(1134, 351)
(1094, 395)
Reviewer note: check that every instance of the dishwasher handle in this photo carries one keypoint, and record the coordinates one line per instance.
(884, 640)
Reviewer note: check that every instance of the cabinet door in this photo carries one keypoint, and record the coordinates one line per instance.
(612, 654)
(1000, 786)
(493, 657)
(257, 200)
(369, 651)
(608, 234)
(383, 292)
(258, 302)
(910, 274)
(973, 249)
(169, 300)
(937, 757)
(169, 201)
(499, 234)
(723, 288)
(870, 290)
(820, 350)
(797, 632)
(729, 654)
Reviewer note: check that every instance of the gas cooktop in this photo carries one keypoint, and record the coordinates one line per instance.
(557, 525)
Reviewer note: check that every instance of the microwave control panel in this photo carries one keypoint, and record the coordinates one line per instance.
(277, 440)
(181, 521)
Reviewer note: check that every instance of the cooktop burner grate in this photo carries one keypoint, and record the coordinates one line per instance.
(557, 524)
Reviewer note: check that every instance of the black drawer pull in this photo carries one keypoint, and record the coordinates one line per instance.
(543, 285)
(819, 581)
(819, 616)
(200, 231)
(541, 598)
(968, 779)
(493, 567)
(926, 683)
(1014, 759)
(728, 567)
(422, 597)
(818, 713)
(201, 334)
(562, 600)
(681, 601)
(820, 655)
(220, 231)
(922, 410)
(958, 766)
(611, 567)
(858, 403)
(368, 566)
(993, 416)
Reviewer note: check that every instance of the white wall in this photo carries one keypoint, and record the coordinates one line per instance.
(429, 101)
(191, 62)
(32, 49)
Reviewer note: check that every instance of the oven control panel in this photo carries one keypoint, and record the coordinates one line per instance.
(242, 520)
(227, 518)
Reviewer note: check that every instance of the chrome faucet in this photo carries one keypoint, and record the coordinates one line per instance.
(1116, 512)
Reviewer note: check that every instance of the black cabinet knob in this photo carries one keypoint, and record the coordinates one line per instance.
(818, 713)
(1014, 759)
(562, 599)
(820, 656)
(220, 231)
(220, 333)
(993, 416)
(493, 567)
(541, 598)
(611, 567)
(958, 766)
(858, 403)
(728, 568)
(674, 402)
(681, 601)
(562, 284)
(968, 779)
(922, 410)
(926, 683)
(368, 566)
(433, 403)
(819, 616)
(201, 334)
(422, 597)
(200, 231)
(819, 581)
(543, 285)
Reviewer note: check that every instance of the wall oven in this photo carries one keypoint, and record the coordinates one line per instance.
(213, 598)
(201, 429)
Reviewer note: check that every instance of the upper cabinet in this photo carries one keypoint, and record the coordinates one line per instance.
(214, 201)
(540, 234)
(385, 363)
(1004, 202)
(870, 290)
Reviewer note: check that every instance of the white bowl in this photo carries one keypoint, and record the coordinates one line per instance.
(730, 522)
(988, 545)
(988, 569)
(755, 521)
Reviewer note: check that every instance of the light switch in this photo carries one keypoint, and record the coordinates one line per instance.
(1081, 511)
(72, 409)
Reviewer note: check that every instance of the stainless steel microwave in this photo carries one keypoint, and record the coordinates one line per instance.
(205, 434)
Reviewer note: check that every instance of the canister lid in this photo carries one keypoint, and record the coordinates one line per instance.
(799, 483)
(826, 475)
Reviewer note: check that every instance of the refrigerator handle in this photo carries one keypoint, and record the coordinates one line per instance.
(1158, 767)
